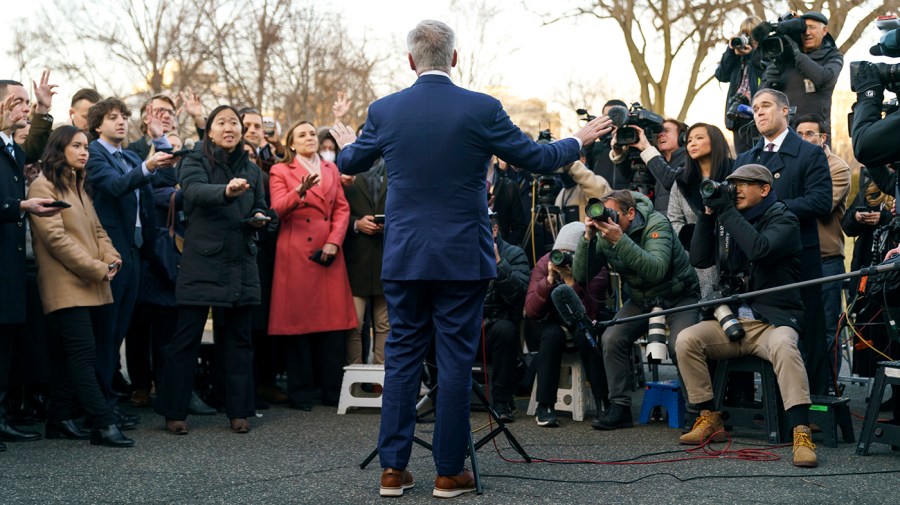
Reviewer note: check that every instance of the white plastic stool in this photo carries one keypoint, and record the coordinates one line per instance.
(574, 394)
(356, 374)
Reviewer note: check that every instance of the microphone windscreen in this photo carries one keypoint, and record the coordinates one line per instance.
(618, 115)
(567, 304)
(761, 31)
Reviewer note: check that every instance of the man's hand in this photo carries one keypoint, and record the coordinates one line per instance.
(893, 252)
(590, 229)
(565, 273)
(37, 207)
(497, 257)
(772, 75)
(610, 231)
(260, 224)
(43, 93)
(869, 218)
(642, 142)
(153, 119)
(367, 225)
(347, 180)
(306, 183)
(8, 118)
(868, 82)
(190, 104)
(341, 106)
(595, 129)
(117, 265)
(236, 187)
(719, 202)
(744, 50)
(160, 160)
(342, 134)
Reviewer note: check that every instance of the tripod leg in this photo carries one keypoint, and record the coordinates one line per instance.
(475, 472)
(369, 458)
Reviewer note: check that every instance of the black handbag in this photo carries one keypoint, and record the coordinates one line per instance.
(168, 246)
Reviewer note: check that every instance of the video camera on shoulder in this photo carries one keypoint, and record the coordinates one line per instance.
(650, 122)
(888, 45)
(772, 36)
(599, 212)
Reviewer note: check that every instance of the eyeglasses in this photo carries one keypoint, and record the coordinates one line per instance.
(744, 184)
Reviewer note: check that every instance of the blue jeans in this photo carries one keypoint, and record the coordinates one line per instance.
(831, 302)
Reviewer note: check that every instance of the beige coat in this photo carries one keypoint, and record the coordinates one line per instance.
(72, 251)
(588, 185)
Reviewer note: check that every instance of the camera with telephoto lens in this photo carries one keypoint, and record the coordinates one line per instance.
(888, 45)
(657, 350)
(547, 186)
(561, 258)
(772, 36)
(729, 284)
(888, 75)
(712, 189)
(739, 108)
(739, 41)
(598, 212)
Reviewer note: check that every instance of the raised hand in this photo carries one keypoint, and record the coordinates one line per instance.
(341, 106)
(594, 129)
(306, 183)
(7, 116)
(43, 93)
(190, 104)
(153, 119)
(342, 134)
(236, 187)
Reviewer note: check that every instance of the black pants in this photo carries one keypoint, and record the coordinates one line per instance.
(549, 361)
(503, 352)
(8, 334)
(320, 351)
(234, 354)
(72, 362)
(151, 330)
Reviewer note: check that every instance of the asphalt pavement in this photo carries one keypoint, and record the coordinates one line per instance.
(313, 457)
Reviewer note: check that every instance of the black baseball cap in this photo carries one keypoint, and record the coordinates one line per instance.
(815, 16)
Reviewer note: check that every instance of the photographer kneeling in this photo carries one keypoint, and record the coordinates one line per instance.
(638, 243)
(768, 253)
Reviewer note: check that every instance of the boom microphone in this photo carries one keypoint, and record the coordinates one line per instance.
(761, 31)
(618, 115)
(572, 312)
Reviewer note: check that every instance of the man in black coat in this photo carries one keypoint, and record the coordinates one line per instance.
(802, 180)
(13, 209)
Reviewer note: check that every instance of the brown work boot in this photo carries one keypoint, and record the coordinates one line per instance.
(804, 448)
(395, 482)
(448, 486)
(707, 428)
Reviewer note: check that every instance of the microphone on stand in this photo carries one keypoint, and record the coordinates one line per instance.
(572, 312)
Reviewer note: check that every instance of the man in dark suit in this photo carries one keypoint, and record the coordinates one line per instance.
(802, 180)
(14, 110)
(437, 140)
(120, 183)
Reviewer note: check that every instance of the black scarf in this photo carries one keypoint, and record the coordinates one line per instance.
(755, 212)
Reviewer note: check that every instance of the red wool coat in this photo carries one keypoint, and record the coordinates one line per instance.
(306, 296)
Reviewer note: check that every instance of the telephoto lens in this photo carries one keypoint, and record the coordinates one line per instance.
(740, 41)
(733, 329)
(710, 188)
(657, 350)
(597, 212)
(561, 258)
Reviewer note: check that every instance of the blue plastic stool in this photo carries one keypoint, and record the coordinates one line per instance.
(666, 394)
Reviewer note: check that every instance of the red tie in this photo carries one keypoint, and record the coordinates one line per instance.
(770, 146)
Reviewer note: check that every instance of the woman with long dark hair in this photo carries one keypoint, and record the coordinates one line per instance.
(311, 297)
(709, 157)
(75, 260)
(224, 201)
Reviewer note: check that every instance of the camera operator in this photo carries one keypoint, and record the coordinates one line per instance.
(618, 175)
(542, 320)
(665, 161)
(768, 253)
(642, 247)
(739, 67)
(802, 181)
(873, 137)
(807, 74)
(579, 186)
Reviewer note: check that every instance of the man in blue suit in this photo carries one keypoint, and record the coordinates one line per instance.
(802, 180)
(437, 140)
(120, 185)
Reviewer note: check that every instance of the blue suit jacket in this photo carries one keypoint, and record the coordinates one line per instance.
(114, 199)
(437, 140)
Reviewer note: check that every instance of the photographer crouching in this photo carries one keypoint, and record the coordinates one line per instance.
(640, 244)
(748, 233)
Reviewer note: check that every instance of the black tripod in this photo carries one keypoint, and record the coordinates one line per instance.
(478, 389)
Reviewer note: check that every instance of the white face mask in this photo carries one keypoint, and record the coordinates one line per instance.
(327, 156)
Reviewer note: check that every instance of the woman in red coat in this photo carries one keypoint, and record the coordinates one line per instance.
(311, 298)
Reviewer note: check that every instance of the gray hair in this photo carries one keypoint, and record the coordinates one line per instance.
(431, 45)
(781, 99)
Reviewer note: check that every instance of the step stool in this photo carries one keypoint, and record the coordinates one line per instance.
(574, 394)
(888, 373)
(360, 374)
(666, 394)
(831, 413)
(769, 412)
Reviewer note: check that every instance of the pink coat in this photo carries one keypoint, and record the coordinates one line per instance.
(306, 296)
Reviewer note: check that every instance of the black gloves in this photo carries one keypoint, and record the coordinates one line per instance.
(719, 202)
(868, 83)
(772, 76)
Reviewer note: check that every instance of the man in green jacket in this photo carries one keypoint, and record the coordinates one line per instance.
(638, 243)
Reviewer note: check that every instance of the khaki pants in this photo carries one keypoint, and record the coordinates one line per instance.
(382, 327)
(778, 345)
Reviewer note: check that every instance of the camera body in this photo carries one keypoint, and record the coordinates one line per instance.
(598, 212)
(888, 74)
(740, 41)
(712, 189)
(561, 258)
(729, 284)
(649, 121)
(739, 108)
(771, 36)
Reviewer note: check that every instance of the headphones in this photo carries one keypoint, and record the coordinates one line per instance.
(682, 132)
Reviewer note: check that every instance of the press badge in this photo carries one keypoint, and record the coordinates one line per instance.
(810, 87)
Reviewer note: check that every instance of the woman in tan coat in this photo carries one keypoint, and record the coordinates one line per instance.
(75, 260)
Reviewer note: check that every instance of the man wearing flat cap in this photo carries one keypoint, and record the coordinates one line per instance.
(749, 235)
(809, 69)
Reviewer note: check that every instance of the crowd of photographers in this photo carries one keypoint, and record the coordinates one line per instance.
(285, 252)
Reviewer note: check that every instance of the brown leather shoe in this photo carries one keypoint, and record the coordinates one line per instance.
(708, 427)
(140, 398)
(395, 482)
(804, 448)
(448, 486)
(176, 427)
(240, 426)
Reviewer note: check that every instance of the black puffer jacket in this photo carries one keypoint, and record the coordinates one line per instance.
(768, 248)
(218, 267)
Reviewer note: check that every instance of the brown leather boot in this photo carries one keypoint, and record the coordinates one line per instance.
(709, 427)
(804, 448)
(394, 482)
(448, 486)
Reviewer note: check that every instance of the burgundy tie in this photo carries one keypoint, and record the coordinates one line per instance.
(770, 146)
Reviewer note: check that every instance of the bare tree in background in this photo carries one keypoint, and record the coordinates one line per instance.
(479, 45)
